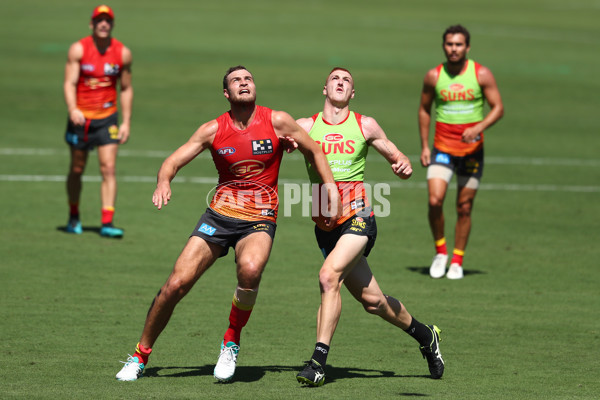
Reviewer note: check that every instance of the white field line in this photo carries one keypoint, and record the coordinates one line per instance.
(397, 184)
(533, 161)
(510, 187)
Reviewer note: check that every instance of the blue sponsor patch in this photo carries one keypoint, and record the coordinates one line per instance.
(71, 138)
(207, 229)
(442, 158)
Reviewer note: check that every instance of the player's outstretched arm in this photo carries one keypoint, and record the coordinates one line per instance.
(285, 126)
(377, 138)
(198, 142)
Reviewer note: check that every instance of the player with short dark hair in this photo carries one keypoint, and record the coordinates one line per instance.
(96, 65)
(459, 87)
(245, 147)
(345, 137)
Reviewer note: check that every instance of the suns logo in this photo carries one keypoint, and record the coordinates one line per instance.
(334, 143)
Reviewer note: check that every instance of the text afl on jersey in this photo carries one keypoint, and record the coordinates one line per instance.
(226, 151)
(109, 68)
(335, 143)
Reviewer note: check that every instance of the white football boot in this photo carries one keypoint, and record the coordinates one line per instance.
(225, 367)
(438, 266)
(455, 272)
(132, 370)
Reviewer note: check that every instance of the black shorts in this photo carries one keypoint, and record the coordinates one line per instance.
(226, 231)
(469, 165)
(95, 132)
(361, 226)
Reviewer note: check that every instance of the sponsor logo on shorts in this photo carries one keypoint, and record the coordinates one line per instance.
(226, 151)
(264, 146)
(261, 227)
(113, 131)
(472, 166)
(207, 229)
(358, 223)
(442, 158)
(72, 138)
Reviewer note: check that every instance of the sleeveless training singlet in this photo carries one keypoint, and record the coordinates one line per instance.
(458, 105)
(248, 165)
(98, 75)
(346, 150)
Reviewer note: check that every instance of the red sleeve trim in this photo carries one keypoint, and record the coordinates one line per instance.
(438, 69)
(477, 67)
(359, 121)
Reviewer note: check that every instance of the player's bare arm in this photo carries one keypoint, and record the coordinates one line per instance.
(70, 85)
(377, 138)
(427, 98)
(288, 143)
(198, 142)
(285, 126)
(126, 96)
(491, 93)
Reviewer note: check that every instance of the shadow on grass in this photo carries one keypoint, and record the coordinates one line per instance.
(92, 229)
(425, 271)
(253, 374)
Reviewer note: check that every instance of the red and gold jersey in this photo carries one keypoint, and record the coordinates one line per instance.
(248, 165)
(353, 197)
(98, 76)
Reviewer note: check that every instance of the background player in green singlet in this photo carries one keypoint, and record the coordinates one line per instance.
(459, 88)
(345, 136)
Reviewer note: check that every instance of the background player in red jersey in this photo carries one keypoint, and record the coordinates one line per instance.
(95, 66)
(245, 148)
(459, 88)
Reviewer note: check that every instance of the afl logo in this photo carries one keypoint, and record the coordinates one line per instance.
(247, 168)
(456, 87)
(333, 137)
(226, 151)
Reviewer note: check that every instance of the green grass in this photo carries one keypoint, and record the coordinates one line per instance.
(523, 324)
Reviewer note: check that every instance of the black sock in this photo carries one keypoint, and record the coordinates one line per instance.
(420, 332)
(320, 353)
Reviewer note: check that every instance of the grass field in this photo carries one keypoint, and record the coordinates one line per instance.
(523, 324)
